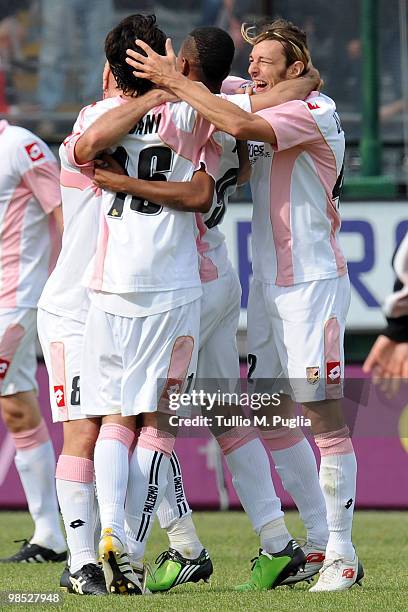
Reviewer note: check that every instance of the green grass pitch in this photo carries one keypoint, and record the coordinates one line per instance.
(380, 537)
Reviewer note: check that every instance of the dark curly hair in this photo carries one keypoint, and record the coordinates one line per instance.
(123, 37)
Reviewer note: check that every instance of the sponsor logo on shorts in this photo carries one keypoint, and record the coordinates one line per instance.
(4, 366)
(333, 372)
(313, 375)
(173, 387)
(59, 395)
(34, 152)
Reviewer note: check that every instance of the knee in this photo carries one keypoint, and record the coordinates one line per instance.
(325, 416)
(80, 443)
(17, 416)
(13, 419)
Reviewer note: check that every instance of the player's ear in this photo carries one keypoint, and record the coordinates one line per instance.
(295, 70)
(185, 66)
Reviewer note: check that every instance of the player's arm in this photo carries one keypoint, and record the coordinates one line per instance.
(286, 91)
(115, 124)
(191, 196)
(244, 173)
(59, 220)
(40, 173)
(224, 115)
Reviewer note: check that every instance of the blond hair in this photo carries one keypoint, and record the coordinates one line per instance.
(292, 38)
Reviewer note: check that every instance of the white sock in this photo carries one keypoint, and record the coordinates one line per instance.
(183, 537)
(78, 506)
(252, 480)
(274, 536)
(146, 487)
(76, 496)
(297, 469)
(36, 467)
(111, 460)
(338, 481)
(174, 504)
(96, 521)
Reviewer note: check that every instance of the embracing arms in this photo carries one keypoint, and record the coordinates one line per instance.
(226, 116)
(191, 196)
(115, 124)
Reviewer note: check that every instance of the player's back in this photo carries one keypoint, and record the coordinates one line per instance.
(29, 191)
(144, 246)
(82, 208)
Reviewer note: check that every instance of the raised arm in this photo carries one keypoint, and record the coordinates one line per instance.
(191, 196)
(226, 116)
(286, 91)
(113, 125)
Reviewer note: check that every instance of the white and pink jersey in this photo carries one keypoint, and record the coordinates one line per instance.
(144, 247)
(64, 293)
(295, 188)
(29, 192)
(214, 261)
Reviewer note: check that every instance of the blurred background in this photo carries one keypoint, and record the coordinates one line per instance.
(51, 52)
(51, 59)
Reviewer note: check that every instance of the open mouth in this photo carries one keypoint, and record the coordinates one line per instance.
(260, 86)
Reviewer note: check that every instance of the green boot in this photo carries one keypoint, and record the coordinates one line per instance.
(174, 569)
(268, 571)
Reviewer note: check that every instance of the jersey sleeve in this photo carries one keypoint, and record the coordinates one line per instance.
(396, 304)
(39, 171)
(293, 124)
(232, 83)
(68, 152)
(183, 129)
(241, 100)
(87, 116)
(210, 157)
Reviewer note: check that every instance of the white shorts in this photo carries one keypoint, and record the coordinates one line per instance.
(296, 334)
(61, 341)
(131, 365)
(18, 361)
(218, 356)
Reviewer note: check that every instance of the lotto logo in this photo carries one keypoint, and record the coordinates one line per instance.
(333, 372)
(59, 395)
(348, 573)
(4, 366)
(315, 557)
(34, 152)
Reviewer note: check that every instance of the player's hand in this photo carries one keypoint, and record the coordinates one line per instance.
(246, 88)
(157, 68)
(314, 75)
(107, 162)
(161, 96)
(396, 371)
(379, 356)
(106, 179)
(400, 360)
